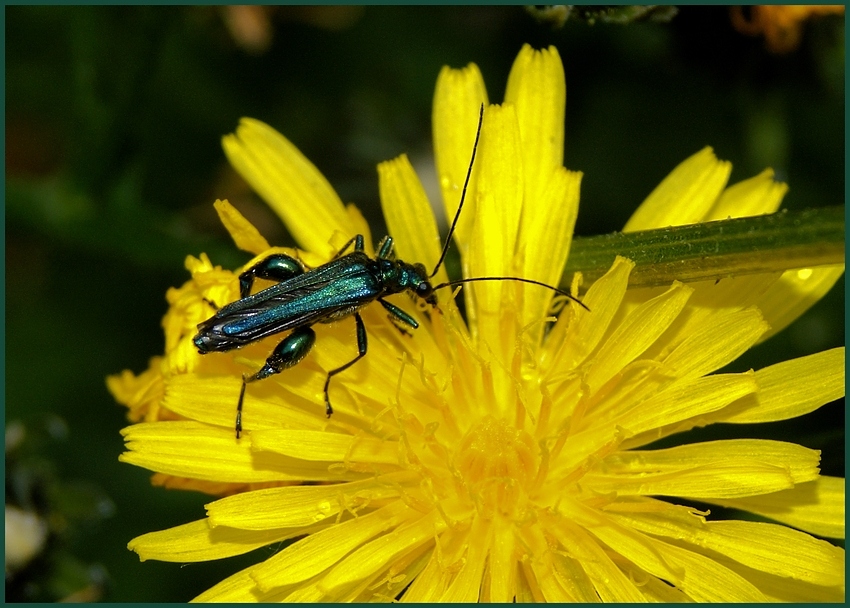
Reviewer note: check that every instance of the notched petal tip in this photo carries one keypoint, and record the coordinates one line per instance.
(757, 195)
(685, 196)
(536, 86)
(291, 185)
(457, 100)
(408, 212)
(244, 234)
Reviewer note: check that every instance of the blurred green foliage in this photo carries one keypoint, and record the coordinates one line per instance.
(113, 121)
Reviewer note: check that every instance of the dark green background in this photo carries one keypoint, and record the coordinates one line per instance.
(113, 159)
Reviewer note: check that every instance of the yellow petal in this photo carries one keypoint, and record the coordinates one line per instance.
(574, 579)
(457, 99)
(635, 334)
(709, 301)
(794, 293)
(395, 579)
(778, 550)
(446, 555)
(688, 398)
(190, 449)
(754, 196)
(721, 479)
(698, 576)
(608, 580)
(239, 587)
(293, 506)
(357, 225)
(377, 554)
(653, 589)
(792, 388)
(788, 590)
(142, 394)
(732, 292)
(467, 584)
(441, 560)
(303, 594)
(548, 220)
(502, 565)
(678, 402)
(685, 196)
(323, 446)
(719, 340)
(603, 299)
(766, 547)
(527, 590)
(542, 567)
(244, 234)
(318, 552)
(789, 390)
(408, 214)
(292, 186)
(432, 581)
(197, 542)
(200, 451)
(816, 507)
(498, 196)
(706, 580)
(801, 463)
(213, 399)
(537, 89)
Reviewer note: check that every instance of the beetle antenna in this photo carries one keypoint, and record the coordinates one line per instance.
(462, 194)
(521, 280)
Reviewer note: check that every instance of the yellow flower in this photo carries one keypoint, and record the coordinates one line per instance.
(498, 457)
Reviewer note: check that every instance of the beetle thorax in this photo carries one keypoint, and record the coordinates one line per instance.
(397, 276)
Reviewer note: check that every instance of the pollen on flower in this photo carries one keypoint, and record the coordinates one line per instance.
(497, 461)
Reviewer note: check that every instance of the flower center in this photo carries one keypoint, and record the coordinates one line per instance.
(497, 462)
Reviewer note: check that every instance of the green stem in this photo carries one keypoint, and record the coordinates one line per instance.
(715, 250)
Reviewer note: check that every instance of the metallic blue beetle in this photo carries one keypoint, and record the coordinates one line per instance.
(325, 294)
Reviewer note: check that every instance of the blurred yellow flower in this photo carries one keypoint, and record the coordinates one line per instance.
(781, 24)
(500, 457)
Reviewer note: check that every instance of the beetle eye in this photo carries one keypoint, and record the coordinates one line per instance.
(423, 289)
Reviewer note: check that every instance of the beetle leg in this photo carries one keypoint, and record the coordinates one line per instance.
(361, 348)
(291, 350)
(277, 267)
(385, 248)
(358, 246)
(211, 303)
(399, 318)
